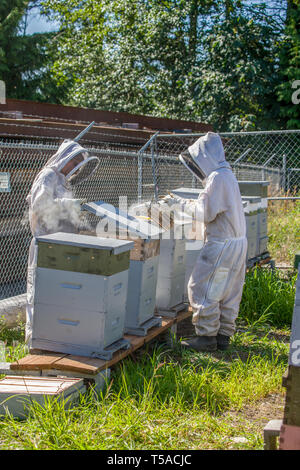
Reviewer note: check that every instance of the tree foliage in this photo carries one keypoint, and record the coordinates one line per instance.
(25, 60)
(225, 62)
(290, 67)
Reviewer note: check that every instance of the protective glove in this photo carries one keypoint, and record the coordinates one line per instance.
(79, 203)
(83, 201)
(76, 203)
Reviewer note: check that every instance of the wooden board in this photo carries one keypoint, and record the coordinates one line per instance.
(183, 315)
(37, 361)
(155, 331)
(135, 341)
(81, 364)
(42, 360)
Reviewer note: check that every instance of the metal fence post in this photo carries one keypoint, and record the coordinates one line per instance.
(283, 185)
(140, 176)
(153, 146)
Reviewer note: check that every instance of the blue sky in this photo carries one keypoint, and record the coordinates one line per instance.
(39, 24)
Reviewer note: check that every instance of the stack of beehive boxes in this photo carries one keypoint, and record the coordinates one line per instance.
(144, 261)
(171, 267)
(80, 294)
(141, 299)
(252, 210)
(249, 191)
(193, 240)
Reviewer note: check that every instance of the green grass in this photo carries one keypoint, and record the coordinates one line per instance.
(284, 230)
(164, 399)
(268, 297)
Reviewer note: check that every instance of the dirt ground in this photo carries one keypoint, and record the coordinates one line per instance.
(257, 414)
(261, 412)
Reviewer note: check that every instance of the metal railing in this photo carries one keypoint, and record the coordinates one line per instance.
(129, 170)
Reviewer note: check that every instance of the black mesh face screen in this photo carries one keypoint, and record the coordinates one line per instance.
(189, 161)
(83, 172)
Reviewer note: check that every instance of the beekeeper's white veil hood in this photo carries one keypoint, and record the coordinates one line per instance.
(205, 156)
(71, 150)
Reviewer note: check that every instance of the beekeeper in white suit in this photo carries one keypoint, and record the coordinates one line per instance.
(52, 207)
(216, 284)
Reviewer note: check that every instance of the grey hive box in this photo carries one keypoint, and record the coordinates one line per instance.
(143, 268)
(171, 275)
(192, 250)
(171, 267)
(254, 188)
(256, 223)
(17, 393)
(259, 189)
(80, 294)
(251, 211)
(192, 246)
(187, 193)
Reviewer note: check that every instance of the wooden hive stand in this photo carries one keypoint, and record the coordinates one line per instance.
(94, 371)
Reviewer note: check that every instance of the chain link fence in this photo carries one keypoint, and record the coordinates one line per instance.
(20, 162)
(254, 156)
(128, 170)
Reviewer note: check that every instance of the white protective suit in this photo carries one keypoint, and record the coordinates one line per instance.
(216, 284)
(52, 207)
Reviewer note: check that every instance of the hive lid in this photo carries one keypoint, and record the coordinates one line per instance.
(139, 227)
(251, 199)
(187, 193)
(87, 241)
(251, 183)
(27, 385)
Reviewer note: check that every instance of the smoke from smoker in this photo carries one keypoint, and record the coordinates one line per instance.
(54, 218)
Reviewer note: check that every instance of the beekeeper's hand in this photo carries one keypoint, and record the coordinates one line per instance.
(83, 201)
(76, 203)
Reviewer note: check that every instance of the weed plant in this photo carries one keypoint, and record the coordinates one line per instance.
(268, 297)
(284, 229)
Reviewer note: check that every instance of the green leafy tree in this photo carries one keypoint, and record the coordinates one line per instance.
(290, 67)
(131, 55)
(240, 73)
(25, 60)
(215, 61)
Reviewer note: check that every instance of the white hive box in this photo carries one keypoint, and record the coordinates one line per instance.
(192, 250)
(187, 193)
(141, 298)
(171, 274)
(257, 229)
(259, 189)
(17, 393)
(263, 226)
(80, 294)
(192, 247)
(144, 259)
(251, 210)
